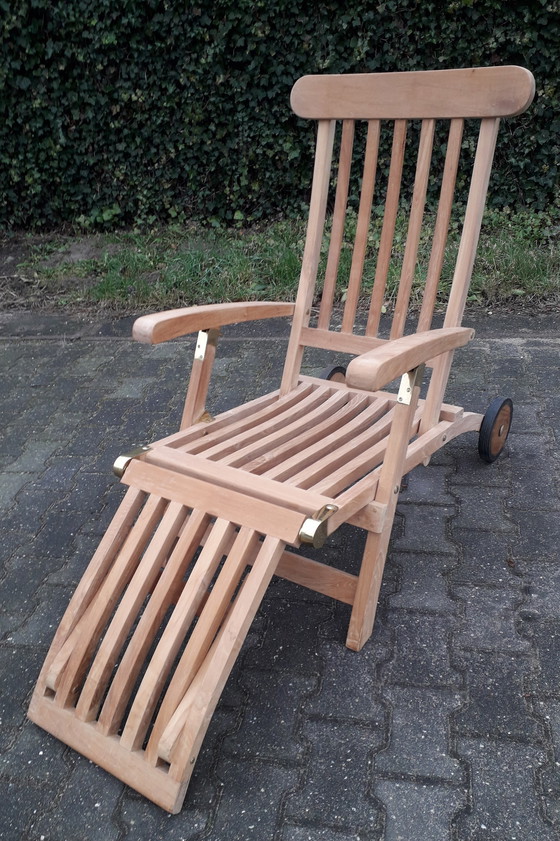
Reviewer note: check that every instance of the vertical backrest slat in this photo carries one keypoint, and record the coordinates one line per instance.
(311, 251)
(441, 228)
(473, 219)
(362, 227)
(414, 226)
(339, 217)
(388, 229)
(464, 264)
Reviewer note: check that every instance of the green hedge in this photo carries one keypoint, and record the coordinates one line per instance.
(121, 111)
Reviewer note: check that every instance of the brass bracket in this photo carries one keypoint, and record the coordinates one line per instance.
(409, 381)
(122, 462)
(201, 344)
(314, 529)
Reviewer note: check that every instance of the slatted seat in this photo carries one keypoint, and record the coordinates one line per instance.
(213, 511)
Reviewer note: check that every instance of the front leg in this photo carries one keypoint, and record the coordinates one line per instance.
(205, 353)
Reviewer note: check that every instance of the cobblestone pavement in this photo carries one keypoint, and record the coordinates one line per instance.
(445, 726)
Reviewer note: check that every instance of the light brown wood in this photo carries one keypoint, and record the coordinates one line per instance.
(201, 372)
(161, 327)
(311, 252)
(388, 229)
(441, 94)
(414, 227)
(442, 224)
(339, 216)
(147, 643)
(362, 227)
(376, 368)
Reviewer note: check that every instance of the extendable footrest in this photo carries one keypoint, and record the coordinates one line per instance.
(147, 643)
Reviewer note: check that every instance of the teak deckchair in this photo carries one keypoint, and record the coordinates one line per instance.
(147, 643)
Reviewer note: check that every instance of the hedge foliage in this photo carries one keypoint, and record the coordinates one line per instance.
(121, 111)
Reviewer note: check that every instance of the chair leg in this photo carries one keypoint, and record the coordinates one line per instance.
(367, 590)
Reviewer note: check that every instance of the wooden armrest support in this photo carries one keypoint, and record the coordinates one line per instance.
(160, 327)
(377, 367)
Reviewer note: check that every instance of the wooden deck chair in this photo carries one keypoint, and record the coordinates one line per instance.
(149, 638)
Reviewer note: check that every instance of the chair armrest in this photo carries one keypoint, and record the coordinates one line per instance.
(377, 367)
(160, 327)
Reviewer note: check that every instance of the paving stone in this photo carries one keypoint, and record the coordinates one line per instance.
(472, 471)
(497, 705)
(35, 756)
(348, 687)
(84, 808)
(252, 795)
(533, 484)
(504, 802)
(146, 822)
(334, 791)
(423, 583)
(526, 419)
(19, 801)
(19, 669)
(422, 656)
(544, 637)
(9, 488)
(417, 811)
(427, 484)
(541, 585)
(314, 833)
(39, 628)
(484, 510)
(269, 726)
(419, 735)
(425, 529)
(290, 639)
(490, 617)
(539, 535)
(549, 773)
(485, 558)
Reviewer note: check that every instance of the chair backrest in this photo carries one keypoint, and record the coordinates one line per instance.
(422, 104)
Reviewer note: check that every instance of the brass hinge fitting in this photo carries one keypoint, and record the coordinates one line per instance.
(314, 529)
(122, 462)
(409, 381)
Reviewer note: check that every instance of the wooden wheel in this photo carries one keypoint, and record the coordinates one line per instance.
(494, 429)
(334, 372)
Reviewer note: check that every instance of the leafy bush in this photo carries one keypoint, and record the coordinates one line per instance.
(117, 111)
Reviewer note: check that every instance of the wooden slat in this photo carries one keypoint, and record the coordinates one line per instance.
(273, 426)
(320, 472)
(423, 94)
(318, 454)
(198, 708)
(126, 613)
(217, 501)
(217, 432)
(90, 582)
(290, 433)
(311, 252)
(255, 489)
(362, 227)
(344, 342)
(337, 231)
(245, 546)
(388, 229)
(183, 437)
(464, 265)
(414, 227)
(442, 224)
(165, 593)
(184, 612)
(107, 596)
(333, 424)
